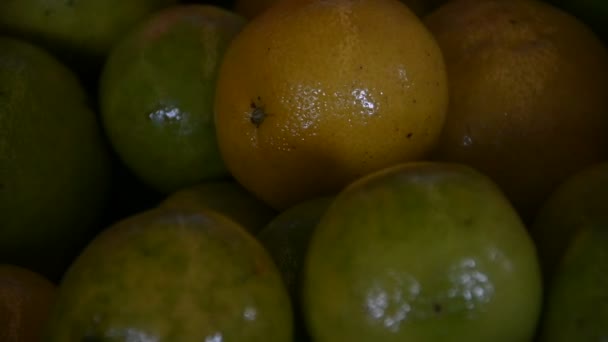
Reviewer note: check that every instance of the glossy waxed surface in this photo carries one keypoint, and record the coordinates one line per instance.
(527, 94)
(172, 277)
(157, 93)
(576, 308)
(26, 299)
(422, 252)
(225, 197)
(341, 95)
(576, 204)
(87, 28)
(54, 167)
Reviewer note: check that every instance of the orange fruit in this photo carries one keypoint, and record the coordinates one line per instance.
(314, 94)
(26, 299)
(528, 102)
(252, 8)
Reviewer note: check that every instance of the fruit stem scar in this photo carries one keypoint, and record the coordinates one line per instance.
(257, 115)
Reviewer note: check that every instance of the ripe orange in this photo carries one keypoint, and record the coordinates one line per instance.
(252, 8)
(25, 304)
(528, 102)
(314, 94)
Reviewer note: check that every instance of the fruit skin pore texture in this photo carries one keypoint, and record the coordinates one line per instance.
(314, 94)
(528, 104)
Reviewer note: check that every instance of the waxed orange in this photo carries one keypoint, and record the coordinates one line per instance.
(314, 94)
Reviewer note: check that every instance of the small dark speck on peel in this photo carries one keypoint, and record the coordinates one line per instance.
(257, 115)
(409, 135)
(437, 307)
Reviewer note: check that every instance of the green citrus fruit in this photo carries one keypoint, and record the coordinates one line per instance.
(576, 308)
(286, 238)
(225, 197)
(170, 276)
(422, 252)
(578, 203)
(54, 166)
(79, 30)
(157, 92)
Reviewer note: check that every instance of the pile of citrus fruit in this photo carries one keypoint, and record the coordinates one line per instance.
(303, 170)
